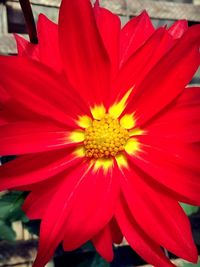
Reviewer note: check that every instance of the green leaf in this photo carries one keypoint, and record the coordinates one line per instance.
(6, 232)
(88, 246)
(98, 261)
(4, 209)
(189, 209)
(191, 265)
(10, 207)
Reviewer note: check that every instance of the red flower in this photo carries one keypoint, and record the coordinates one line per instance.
(106, 134)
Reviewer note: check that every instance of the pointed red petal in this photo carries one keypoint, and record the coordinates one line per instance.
(164, 163)
(30, 169)
(12, 111)
(26, 48)
(135, 69)
(48, 43)
(178, 29)
(116, 233)
(23, 137)
(36, 204)
(138, 240)
(103, 244)
(109, 28)
(146, 203)
(47, 50)
(134, 34)
(180, 121)
(38, 200)
(84, 57)
(77, 189)
(173, 72)
(98, 194)
(38, 88)
(57, 214)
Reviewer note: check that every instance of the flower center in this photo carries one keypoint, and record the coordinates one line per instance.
(105, 138)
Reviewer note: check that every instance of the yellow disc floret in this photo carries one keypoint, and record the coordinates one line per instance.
(105, 138)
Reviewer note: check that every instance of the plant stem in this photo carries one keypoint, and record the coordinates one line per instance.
(29, 19)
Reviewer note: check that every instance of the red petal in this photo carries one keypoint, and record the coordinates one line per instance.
(48, 43)
(36, 203)
(109, 28)
(5, 97)
(13, 111)
(26, 48)
(168, 78)
(180, 121)
(178, 29)
(138, 240)
(51, 230)
(103, 244)
(97, 194)
(116, 233)
(38, 88)
(84, 57)
(134, 34)
(23, 137)
(77, 189)
(38, 200)
(30, 169)
(167, 223)
(47, 50)
(135, 69)
(163, 164)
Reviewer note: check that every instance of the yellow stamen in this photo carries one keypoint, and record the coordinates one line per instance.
(105, 138)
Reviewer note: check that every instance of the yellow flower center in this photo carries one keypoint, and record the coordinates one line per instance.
(105, 138)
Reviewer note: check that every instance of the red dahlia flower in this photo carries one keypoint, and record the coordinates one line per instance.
(106, 134)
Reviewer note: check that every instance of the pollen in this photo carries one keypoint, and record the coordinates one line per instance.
(105, 138)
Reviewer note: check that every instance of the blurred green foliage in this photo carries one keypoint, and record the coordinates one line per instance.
(191, 265)
(10, 211)
(189, 209)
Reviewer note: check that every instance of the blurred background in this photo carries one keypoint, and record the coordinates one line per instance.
(18, 236)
